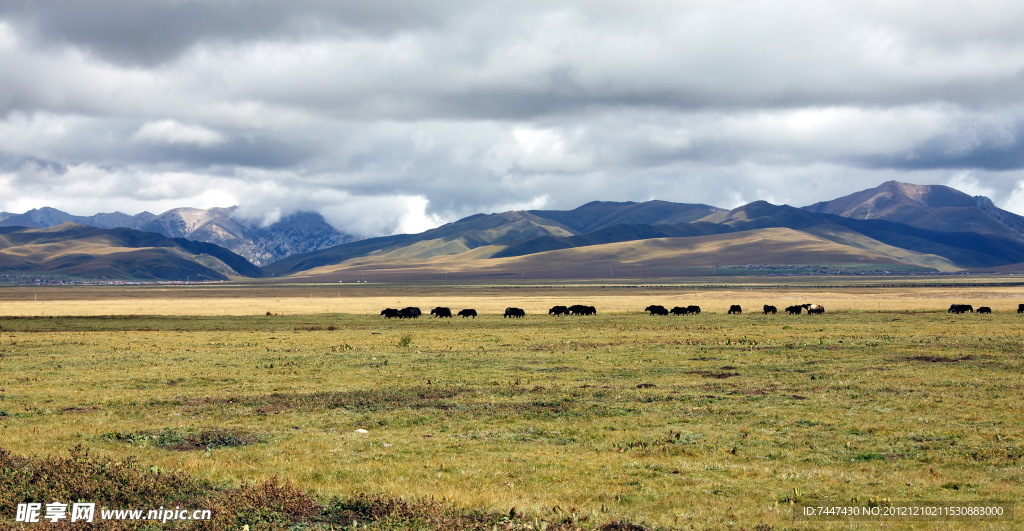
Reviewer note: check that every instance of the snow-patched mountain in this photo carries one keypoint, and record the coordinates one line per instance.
(298, 233)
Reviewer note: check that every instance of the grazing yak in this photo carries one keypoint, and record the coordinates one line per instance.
(558, 310)
(1020, 308)
(795, 309)
(441, 311)
(390, 313)
(656, 309)
(515, 312)
(770, 309)
(693, 309)
(813, 309)
(984, 309)
(960, 308)
(679, 310)
(468, 312)
(735, 308)
(579, 309)
(410, 312)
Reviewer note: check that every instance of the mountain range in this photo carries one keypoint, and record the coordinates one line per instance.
(895, 227)
(298, 233)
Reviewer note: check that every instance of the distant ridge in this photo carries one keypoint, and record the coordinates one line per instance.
(50, 217)
(598, 215)
(496, 232)
(298, 233)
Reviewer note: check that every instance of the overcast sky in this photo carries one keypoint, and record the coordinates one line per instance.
(398, 115)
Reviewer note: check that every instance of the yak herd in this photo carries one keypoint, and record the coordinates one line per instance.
(736, 309)
(967, 308)
(413, 312)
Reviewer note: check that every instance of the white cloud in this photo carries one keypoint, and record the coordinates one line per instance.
(85, 189)
(967, 183)
(381, 215)
(174, 132)
(8, 38)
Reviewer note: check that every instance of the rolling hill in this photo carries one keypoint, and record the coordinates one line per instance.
(645, 258)
(77, 251)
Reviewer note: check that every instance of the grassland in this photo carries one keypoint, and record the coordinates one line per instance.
(709, 421)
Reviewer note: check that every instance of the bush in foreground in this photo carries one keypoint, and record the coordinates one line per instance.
(270, 505)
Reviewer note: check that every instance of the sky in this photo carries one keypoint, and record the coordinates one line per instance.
(400, 115)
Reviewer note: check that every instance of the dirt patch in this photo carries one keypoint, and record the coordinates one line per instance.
(714, 374)
(382, 399)
(183, 440)
(749, 392)
(272, 409)
(79, 409)
(557, 369)
(939, 359)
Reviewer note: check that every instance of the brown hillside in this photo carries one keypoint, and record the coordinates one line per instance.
(659, 257)
(931, 207)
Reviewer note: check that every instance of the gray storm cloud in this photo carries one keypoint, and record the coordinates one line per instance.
(395, 116)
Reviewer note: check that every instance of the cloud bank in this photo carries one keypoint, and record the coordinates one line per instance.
(395, 116)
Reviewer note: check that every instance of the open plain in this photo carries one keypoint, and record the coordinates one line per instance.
(703, 421)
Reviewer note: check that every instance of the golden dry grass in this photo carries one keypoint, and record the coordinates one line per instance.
(225, 299)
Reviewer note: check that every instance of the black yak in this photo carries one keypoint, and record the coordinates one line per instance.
(579, 309)
(441, 311)
(515, 312)
(558, 310)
